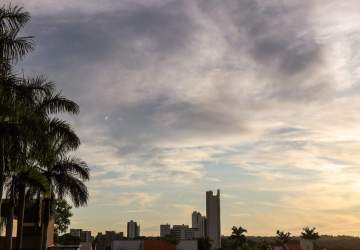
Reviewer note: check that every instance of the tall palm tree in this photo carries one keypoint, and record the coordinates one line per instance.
(41, 104)
(238, 236)
(66, 176)
(12, 48)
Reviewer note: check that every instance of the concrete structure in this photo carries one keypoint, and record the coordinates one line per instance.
(127, 245)
(213, 227)
(306, 244)
(199, 222)
(165, 230)
(133, 230)
(187, 245)
(85, 236)
(183, 232)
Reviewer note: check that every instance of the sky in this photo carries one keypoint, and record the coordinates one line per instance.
(260, 99)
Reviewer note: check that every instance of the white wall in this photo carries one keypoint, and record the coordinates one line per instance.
(127, 245)
(306, 244)
(187, 245)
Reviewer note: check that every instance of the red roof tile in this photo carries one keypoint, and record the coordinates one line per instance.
(158, 245)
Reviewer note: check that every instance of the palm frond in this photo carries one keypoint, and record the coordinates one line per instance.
(54, 104)
(13, 17)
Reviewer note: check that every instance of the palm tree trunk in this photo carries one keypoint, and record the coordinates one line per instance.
(9, 224)
(46, 223)
(41, 206)
(2, 173)
(21, 211)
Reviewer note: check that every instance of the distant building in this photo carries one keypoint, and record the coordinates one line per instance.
(213, 225)
(85, 236)
(133, 230)
(75, 232)
(199, 223)
(183, 232)
(104, 241)
(165, 230)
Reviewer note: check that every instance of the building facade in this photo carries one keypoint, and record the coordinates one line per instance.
(213, 225)
(133, 230)
(199, 223)
(165, 230)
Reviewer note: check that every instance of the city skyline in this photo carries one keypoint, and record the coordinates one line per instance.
(257, 98)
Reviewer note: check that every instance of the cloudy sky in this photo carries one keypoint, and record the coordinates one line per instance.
(258, 98)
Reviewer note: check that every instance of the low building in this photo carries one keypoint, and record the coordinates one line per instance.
(165, 230)
(187, 245)
(127, 245)
(152, 245)
(104, 241)
(183, 232)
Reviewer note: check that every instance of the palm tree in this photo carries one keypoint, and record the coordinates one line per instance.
(12, 48)
(51, 139)
(66, 175)
(37, 144)
(283, 238)
(238, 236)
(310, 234)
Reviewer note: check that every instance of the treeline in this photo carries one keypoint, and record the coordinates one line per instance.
(36, 164)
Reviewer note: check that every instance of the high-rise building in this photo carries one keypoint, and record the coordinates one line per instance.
(213, 228)
(165, 230)
(133, 230)
(199, 223)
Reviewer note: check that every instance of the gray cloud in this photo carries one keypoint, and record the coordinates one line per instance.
(167, 89)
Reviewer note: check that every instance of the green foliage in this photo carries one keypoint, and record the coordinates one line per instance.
(204, 244)
(68, 239)
(282, 237)
(34, 143)
(310, 234)
(171, 238)
(238, 236)
(62, 216)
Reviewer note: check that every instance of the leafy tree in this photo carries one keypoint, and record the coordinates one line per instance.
(204, 243)
(264, 245)
(62, 216)
(310, 234)
(171, 238)
(68, 239)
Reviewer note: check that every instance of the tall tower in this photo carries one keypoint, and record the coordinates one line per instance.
(213, 218)
(133, 230)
